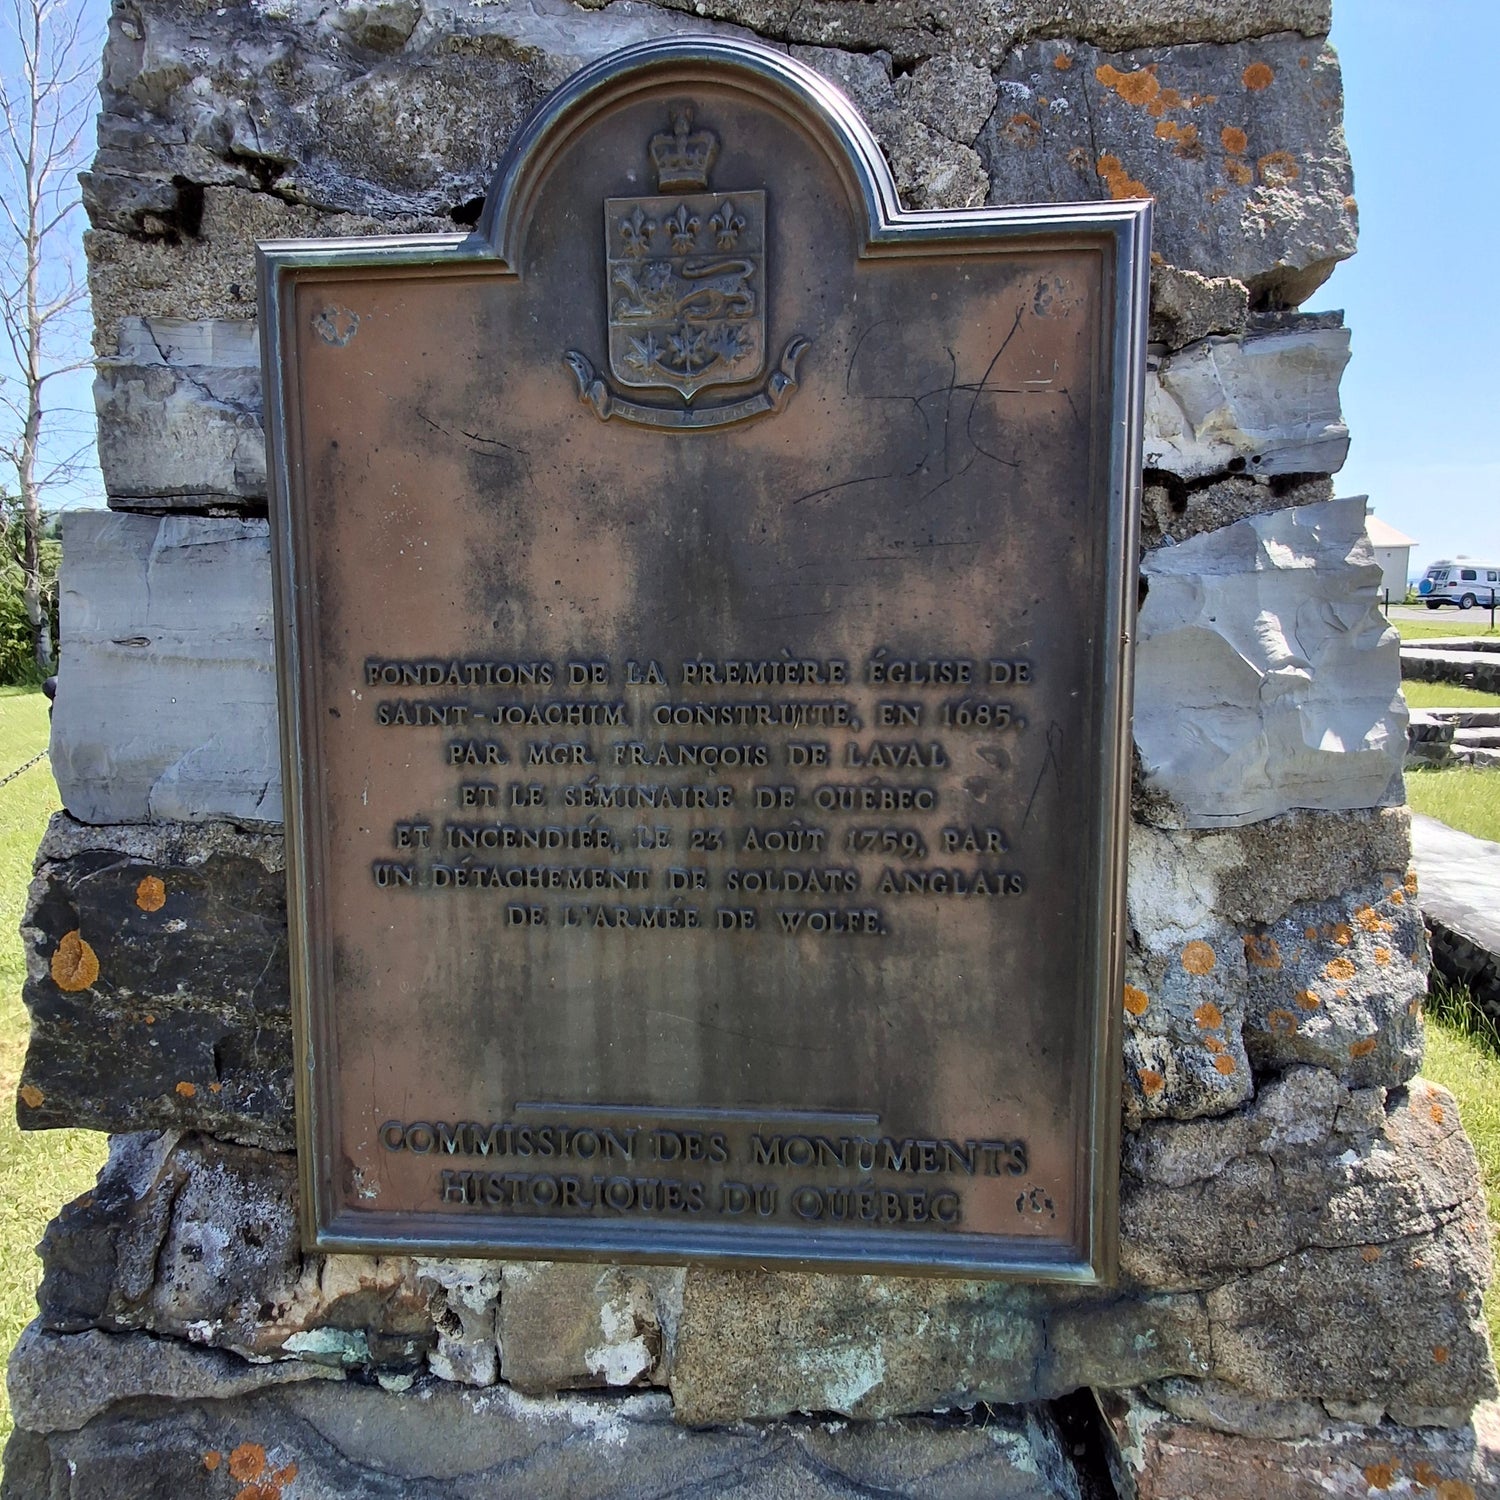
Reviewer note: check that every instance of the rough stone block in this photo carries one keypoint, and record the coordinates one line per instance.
(1241, 146)
(1186, 307)
(1342, 1237)
(166, 700)
(436, 1442)
(1158, 1456)
(565, 1326)
(1173, 510)
(59, 1382)
(188, 1238)
(157, 982)
(1266, 677)
(990, 28)
(180, 416)
(872, 1347)
(1340, 984)
(1266, 404)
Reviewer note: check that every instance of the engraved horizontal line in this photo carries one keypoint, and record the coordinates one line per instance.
(815, 1116)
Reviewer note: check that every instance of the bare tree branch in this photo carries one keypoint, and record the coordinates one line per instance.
(44, 115)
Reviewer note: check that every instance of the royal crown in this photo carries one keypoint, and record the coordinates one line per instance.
(683, 158)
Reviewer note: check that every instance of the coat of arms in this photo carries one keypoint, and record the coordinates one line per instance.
(686, 272)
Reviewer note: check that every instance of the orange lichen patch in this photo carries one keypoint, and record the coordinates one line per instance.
(75, 965)
(211, 1459)
(1218, 194)
(1198, 957)
(1257, 76)
(247, 1462)
(1119, 182)
(1022, 130)
(1397, 897)
(1454, 1489)
(1436, 1111)
(1264, 952)
(1341, 933)
(1339, 968)
(1237, 172)
(1310, 933)
(1139, 87)
(1382, 955)
(1370, 1254)
(151, 893)
(1151, 1081)
(1225, 1065)
(285, 1474)
(1277, 168)
(1213, 1044)
(186, 1089)
(1439, 1354)
(1209, 1016)
(1233, 140)
(1370, 920)
(216, 1088)
(1062, 62)
(1136, 1000)
(1381, 1476)
(1281, 1022)
(150, 1019)
(1307, 1000)
(31, 1096)
(1363, 1048)
(1351, 204)
(1411, 882)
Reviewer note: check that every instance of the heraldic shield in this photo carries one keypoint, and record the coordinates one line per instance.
(687, 273)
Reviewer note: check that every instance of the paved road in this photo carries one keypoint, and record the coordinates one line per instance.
(1460, 619)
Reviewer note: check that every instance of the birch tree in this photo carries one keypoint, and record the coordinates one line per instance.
(46, 105)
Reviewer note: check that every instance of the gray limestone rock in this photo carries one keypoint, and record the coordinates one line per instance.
(1172, 510)
(1340, 984)
(1157, 1455)
(463, 1298)
(1241, 146)
(1342, 1241)
(1186, 307)
(1184, 1012)
(180, 423)
(436, 1442)
(1181, 879)
(210, 272)
(1460, 896)
(58, 1382)
(1266, 678)
(989, 28)
(1265, 405)
(191, 1239)
(164, 944)
(166, 700)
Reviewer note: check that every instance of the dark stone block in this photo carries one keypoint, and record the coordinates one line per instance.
(158, 985)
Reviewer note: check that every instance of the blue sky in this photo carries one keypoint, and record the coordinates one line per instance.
(1419, 394)
(1421, 297)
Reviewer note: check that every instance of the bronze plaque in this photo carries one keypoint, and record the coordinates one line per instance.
(703, 596)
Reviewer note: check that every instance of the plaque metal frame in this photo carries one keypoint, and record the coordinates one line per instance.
(1121, 229)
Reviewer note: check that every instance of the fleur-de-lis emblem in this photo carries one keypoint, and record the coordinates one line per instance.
(683, 228)
(726, 225)
(636, 232)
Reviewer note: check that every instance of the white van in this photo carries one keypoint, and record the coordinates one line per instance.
(1462, 581)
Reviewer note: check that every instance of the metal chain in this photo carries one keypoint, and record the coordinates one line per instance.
(6, 780)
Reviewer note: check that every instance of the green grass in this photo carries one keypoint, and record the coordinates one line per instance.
(1466, 797)
(1463, 1054)
(42, 1170)
(1446, 695)
(1474, 622)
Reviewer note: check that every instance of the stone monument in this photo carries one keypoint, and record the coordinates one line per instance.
(1302, 1243)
